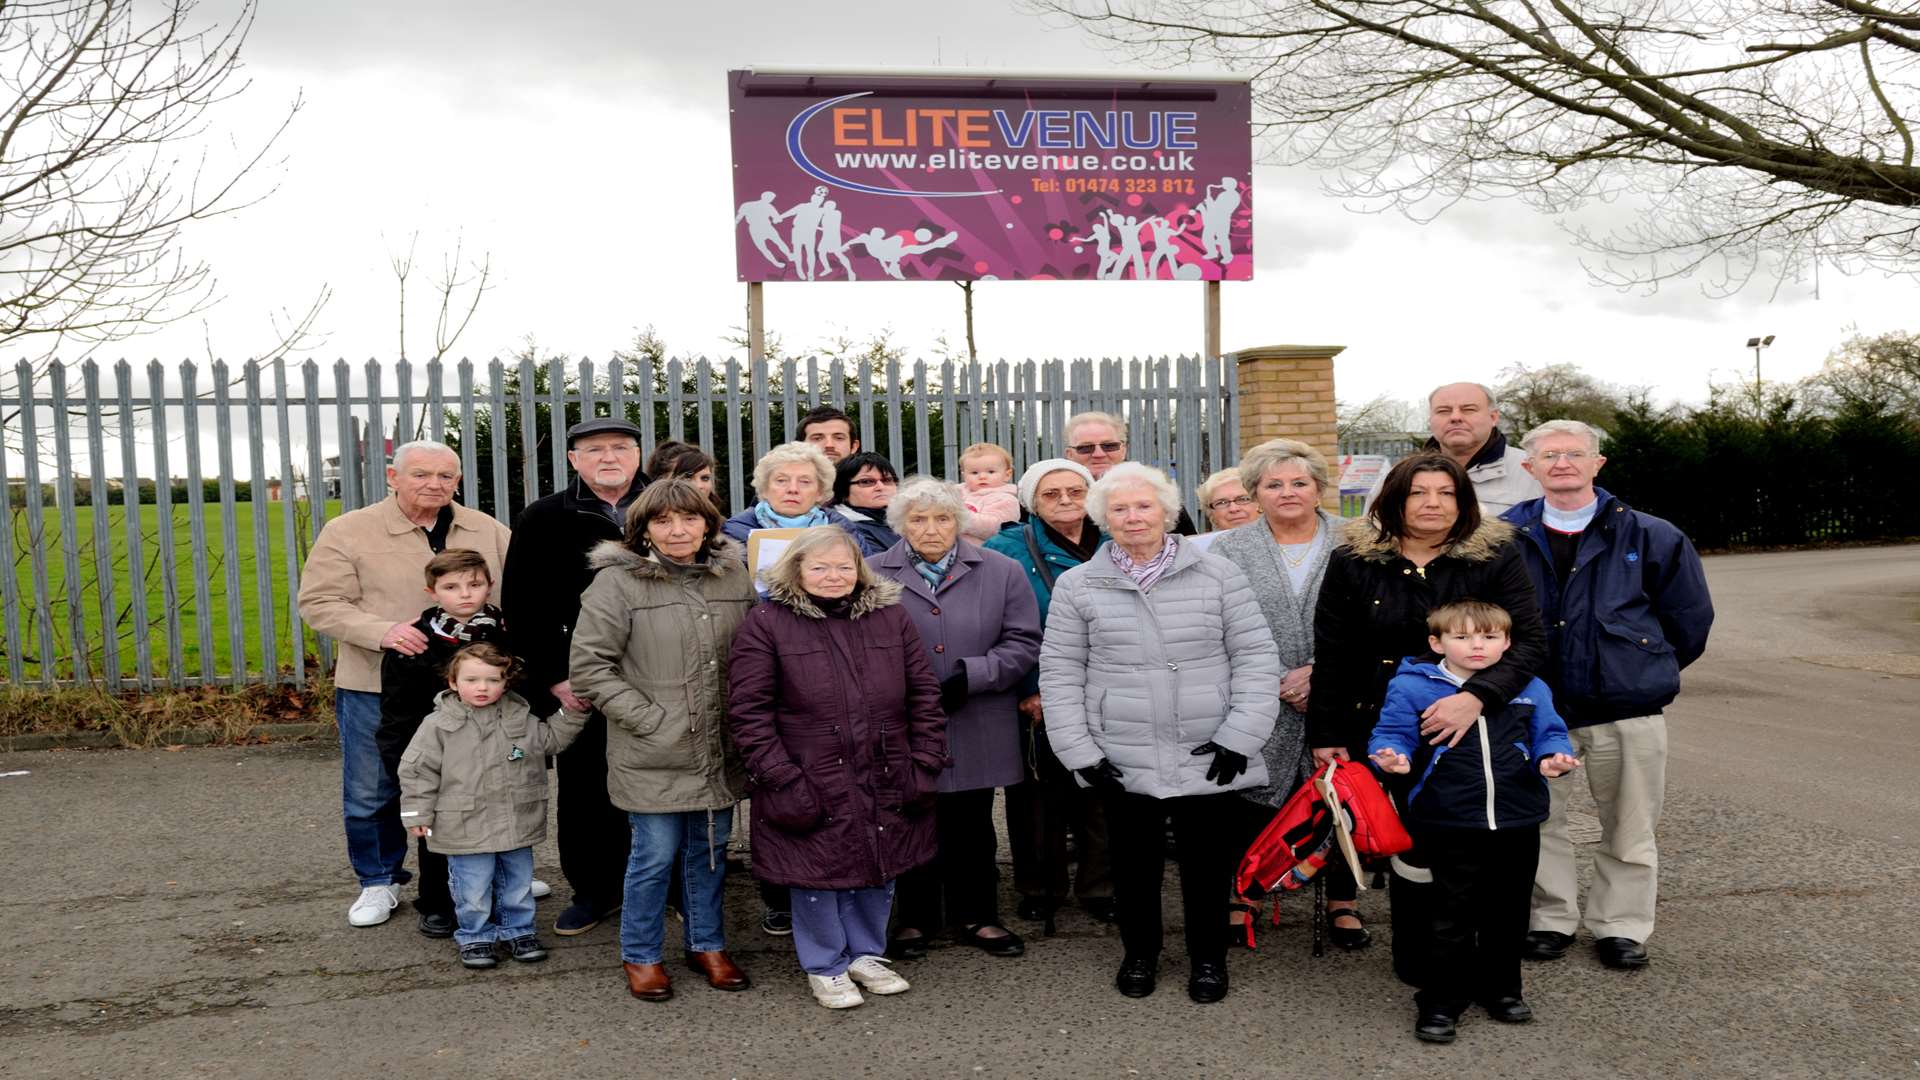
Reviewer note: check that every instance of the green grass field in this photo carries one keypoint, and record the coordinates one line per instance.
(214, 664)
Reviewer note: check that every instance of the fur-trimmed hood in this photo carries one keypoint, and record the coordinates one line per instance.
(1364, 540)
(615, 554)
(783, 588)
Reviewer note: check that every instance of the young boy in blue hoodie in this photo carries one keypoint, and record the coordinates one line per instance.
(1474, 812)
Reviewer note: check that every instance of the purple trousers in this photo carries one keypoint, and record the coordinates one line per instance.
(834, 927)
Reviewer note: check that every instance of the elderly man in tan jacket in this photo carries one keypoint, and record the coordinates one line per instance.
(363, 586)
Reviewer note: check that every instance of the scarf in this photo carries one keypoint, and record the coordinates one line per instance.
(935, 573)
(1144, 574)
(482, 625)
(1078, 550)
(767, 519)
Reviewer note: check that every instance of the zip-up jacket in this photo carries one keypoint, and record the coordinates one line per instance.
(1634, 612)
(545, 574)
(1492, 779)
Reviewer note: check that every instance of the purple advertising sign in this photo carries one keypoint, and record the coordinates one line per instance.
(967, 177)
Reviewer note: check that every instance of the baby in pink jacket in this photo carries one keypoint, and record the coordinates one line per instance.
(986, 486)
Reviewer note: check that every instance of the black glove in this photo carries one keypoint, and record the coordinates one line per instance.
(1101, 776)
(953, 692)
(1226, 764)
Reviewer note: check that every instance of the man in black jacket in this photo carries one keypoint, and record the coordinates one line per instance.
(545, 573)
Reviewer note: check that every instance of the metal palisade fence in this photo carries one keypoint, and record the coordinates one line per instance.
(153, 522)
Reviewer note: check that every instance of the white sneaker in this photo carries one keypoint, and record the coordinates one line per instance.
(874, 976)
(375, 905)
(541, 890)
(835, 991)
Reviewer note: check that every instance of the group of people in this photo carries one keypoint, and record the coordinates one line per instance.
(920, 644)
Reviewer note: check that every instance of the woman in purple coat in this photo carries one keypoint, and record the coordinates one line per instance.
(837, 714)
(980, 625)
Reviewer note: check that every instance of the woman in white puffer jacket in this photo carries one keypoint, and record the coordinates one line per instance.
(1160, 682)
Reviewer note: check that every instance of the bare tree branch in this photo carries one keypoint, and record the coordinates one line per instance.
(101, 99)
(1748, 136)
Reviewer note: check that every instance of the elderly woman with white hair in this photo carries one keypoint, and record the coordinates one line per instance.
(793, 482)
(1224, 498)
(1160, 682)
(1283, 551)
(980, 627)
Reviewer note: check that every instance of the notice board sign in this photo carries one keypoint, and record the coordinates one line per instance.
(955, 177)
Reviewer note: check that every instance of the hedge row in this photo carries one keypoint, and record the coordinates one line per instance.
(1785, 477)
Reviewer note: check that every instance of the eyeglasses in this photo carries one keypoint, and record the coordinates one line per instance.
(1574, 456)
(1237, 500)
(872, 481)
(1067, 495)
(1103, 447)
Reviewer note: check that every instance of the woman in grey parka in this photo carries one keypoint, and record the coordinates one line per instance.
(650, 651)
(1160, 683)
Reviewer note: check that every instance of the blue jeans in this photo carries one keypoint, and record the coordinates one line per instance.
(369, 797)
(658, 839)
(488, 886)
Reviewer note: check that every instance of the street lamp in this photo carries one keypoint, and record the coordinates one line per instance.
(1756, 344)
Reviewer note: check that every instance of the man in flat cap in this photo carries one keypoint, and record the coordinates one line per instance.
(545, 574)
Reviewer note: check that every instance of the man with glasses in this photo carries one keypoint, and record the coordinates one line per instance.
(1098, 441)
(545, 574)
(1625, 602)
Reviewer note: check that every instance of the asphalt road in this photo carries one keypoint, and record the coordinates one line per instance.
(183, 915)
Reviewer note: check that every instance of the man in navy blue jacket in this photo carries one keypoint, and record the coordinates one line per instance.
(1625, 601)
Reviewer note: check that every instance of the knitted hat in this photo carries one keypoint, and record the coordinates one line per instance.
(1031, 478)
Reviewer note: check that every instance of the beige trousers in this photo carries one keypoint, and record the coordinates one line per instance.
(1626, 767)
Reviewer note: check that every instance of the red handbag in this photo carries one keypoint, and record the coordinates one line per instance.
(1340, 808)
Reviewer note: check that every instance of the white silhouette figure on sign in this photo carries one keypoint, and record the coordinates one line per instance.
(1164, 248)
(889, 249)
(1128, 230)
(1098, 237)
(806, 227)
(760, 217)
(832, 244)
(1216, 218)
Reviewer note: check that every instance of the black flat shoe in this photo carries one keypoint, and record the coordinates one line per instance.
(435, 925)
(1625, 954)
(1546, 945)
(908, 948)
(1509, 1010)
(1207, 983)
(1348, 938)
(1102, 908)
(1035, 908)
(1435, 1026)
(1008, 944)
(1135, 978)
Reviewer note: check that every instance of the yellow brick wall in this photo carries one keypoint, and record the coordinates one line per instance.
(1287, 391)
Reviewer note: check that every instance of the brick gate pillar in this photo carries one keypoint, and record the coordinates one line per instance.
(1287, 390)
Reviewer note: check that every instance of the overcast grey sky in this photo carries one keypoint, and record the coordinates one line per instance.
(584, 145)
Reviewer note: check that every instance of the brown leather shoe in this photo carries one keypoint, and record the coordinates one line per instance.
(648, 982)
(721, 972)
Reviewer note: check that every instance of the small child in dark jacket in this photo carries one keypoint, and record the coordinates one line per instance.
(459, 583)
(1474, 811)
